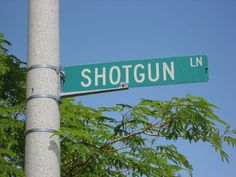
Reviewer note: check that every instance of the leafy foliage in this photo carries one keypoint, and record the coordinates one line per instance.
(122, 140)
(96, 144)
(12, 75)
(12, 93)
(11, 140)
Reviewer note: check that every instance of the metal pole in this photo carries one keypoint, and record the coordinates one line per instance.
(42, 150)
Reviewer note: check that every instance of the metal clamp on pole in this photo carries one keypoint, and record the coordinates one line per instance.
(62, 75)
(54, 97)
(53, 67)
(47, 130)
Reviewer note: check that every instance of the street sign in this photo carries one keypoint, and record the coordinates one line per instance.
(136, 73)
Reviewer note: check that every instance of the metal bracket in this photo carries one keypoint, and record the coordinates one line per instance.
(54, 97)
(47, 130)
(62, 76)
(123, 86)
(58, 70)
(53, 67)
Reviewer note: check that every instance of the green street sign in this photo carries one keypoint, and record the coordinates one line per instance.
(137, 73)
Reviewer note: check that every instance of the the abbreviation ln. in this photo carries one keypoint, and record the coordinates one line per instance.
(197, 62)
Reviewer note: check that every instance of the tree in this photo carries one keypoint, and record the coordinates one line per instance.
(12, 75)
(122, 140)
(97, 145)
(12, 94)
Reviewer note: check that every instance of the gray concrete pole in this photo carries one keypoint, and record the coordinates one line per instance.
(42, 152)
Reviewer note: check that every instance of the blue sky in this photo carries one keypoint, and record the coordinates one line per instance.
(96, 31)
